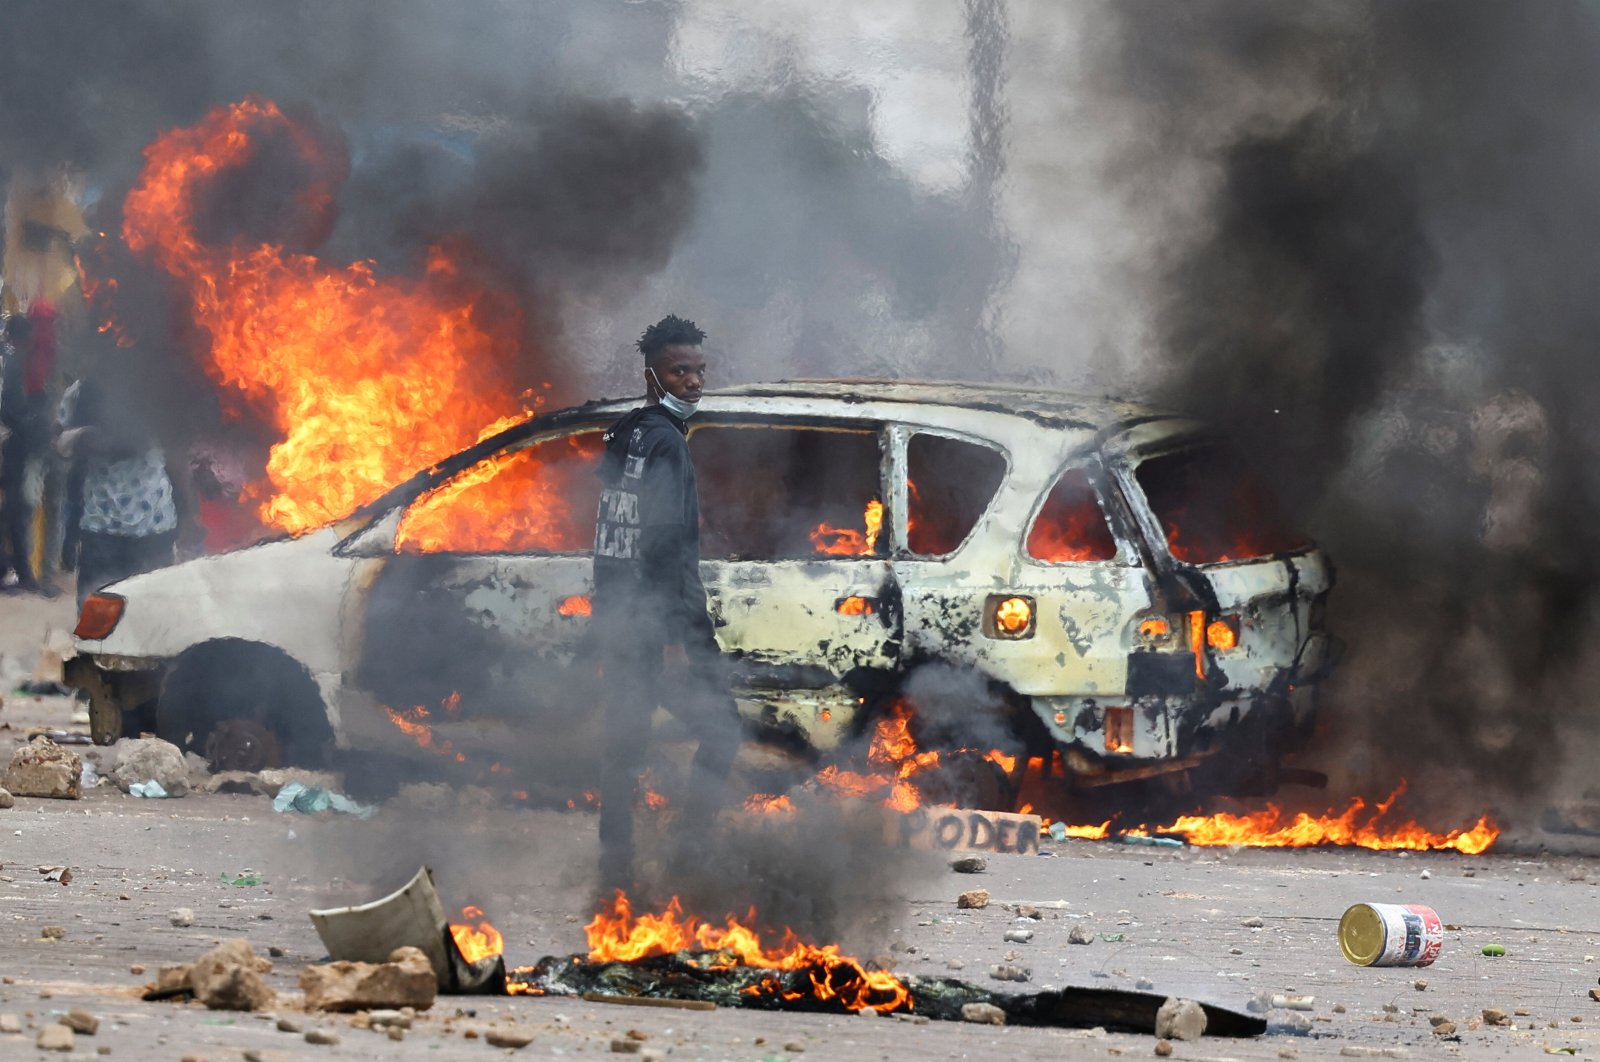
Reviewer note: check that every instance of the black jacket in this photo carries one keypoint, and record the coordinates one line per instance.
(647, 531)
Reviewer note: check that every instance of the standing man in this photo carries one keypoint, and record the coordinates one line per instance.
(649, 603)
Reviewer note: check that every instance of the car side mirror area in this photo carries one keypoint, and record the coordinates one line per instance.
(377, 539)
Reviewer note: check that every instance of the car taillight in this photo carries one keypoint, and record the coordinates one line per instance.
(1008, 616)
(1153, 632)
(99, 616)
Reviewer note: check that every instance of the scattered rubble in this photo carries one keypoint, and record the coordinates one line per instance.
(983, 1014)
(80, 1021)
(406, 980)
(1495, 1016)
(229, 978)
(150, 759)
(44, 769)
(973, 900)
(1180, 1019)
(1080, 934)
(52, 933)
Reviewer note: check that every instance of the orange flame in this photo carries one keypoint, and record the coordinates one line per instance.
(476, 941)
(616, 935)
(577, 605)
(367, 378)
(847, 542)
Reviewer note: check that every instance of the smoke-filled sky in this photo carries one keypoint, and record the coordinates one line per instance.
(1360, 234)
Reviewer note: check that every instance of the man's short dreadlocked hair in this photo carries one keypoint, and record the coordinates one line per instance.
(669, 331)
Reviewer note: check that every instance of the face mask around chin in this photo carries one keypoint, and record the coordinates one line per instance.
(674, 405)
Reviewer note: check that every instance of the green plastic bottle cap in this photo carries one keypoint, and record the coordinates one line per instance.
(1494, 949)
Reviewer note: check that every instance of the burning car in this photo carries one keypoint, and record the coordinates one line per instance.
(1121, 584)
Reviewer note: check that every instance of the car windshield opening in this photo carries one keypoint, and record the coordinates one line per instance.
(950, 483)
(1070, 526)
(1213, 508)
(539, 499)
(771, 492)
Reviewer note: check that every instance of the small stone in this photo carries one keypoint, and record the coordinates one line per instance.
(955, 964)
(52, 933)
(54, 1037)
(1025, 910)
(1444, 1028)
(1425, 875)
(379, 1019)
(44, 769)
(973, 900)
(1163, 1048)
(322, 1037)
(1253, 923)
(289, 1025)
(983, 1014)
(512, 1036)
(80, 1021)
(10, 1023)
(794, 1047)
(1018, 936)
(7, 800)
(1339, 1008)
(1495, 1016)
(1180, 1019)
(228, 977)
(637, 1034)
(182, 917)
(1419, 985)
(275, 951)
(1235, 951)
(1144, 984)
(1594, 994)
(631, 1047)
(394, 1032)
(969, 865)
(1080, 934)
(1008, 972)
(136, 969)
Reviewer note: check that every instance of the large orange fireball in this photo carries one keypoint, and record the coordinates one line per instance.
(367, 378)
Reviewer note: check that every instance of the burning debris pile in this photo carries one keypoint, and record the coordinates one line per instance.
(671, 955)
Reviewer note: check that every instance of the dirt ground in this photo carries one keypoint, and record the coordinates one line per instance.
(1213, 924)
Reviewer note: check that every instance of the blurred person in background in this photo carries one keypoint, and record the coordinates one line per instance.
(25, 363)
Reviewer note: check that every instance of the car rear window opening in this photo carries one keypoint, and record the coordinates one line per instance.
(1070, 526)
(1213, 509)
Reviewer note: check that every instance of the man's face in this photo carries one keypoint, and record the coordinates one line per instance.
(681, 371)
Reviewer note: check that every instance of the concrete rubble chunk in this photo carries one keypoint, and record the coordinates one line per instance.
(174, 976)
(983, 1014)
(973, 899)
(80, 1021)
(150, 759)
(512, 1036)
(6, 799)
(10, 1023)
(1444, 1028)
(182, 917)
(406, 980)
(1008, 972)
(380, 1019)
(42, 768)
(1018, 936)
(1080, 934)
(55, 1037)
(1495, 1016)
(229, 978)
(1180, 1019)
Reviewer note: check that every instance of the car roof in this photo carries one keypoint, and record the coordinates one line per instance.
(1097, 416)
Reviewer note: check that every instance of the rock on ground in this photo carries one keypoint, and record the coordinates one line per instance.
(973, 899)
(55, 1037)
(229, 978)
(509, 1036)
(406, 980)
(44, 769)
(150, 759)
(1180, 1019)
(80, 1021)
(983, 1014)
(6, 799)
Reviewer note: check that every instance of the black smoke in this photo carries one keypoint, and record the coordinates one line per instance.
(1385, 298)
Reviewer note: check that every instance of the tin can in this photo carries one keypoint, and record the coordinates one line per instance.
(1391, 934)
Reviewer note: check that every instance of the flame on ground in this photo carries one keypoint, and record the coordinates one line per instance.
(617, 935)
(367, 378)
(475, 938)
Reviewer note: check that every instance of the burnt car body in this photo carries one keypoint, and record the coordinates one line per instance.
(1120, 585)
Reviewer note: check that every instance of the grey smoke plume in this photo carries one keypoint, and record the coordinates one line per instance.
(1384, 298)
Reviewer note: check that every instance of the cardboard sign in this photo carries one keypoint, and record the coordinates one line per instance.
(965, 830)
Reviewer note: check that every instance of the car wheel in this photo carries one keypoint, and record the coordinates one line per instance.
(244, 688)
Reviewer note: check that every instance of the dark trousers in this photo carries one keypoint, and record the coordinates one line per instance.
(631, 683)
(103, 558)
(16, 515)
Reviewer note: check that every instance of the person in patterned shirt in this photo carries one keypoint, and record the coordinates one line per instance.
(132, 503)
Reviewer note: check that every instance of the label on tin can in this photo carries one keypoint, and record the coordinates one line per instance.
(1391, 934)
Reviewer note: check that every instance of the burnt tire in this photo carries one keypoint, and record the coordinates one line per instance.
(239, 682)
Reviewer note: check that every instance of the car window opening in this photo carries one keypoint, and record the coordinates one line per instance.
(772, 493)
(1212, 508)
(951, 483)
(1070, 526)
(540, 499)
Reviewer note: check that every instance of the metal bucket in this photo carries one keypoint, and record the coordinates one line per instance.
(1391, 934)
